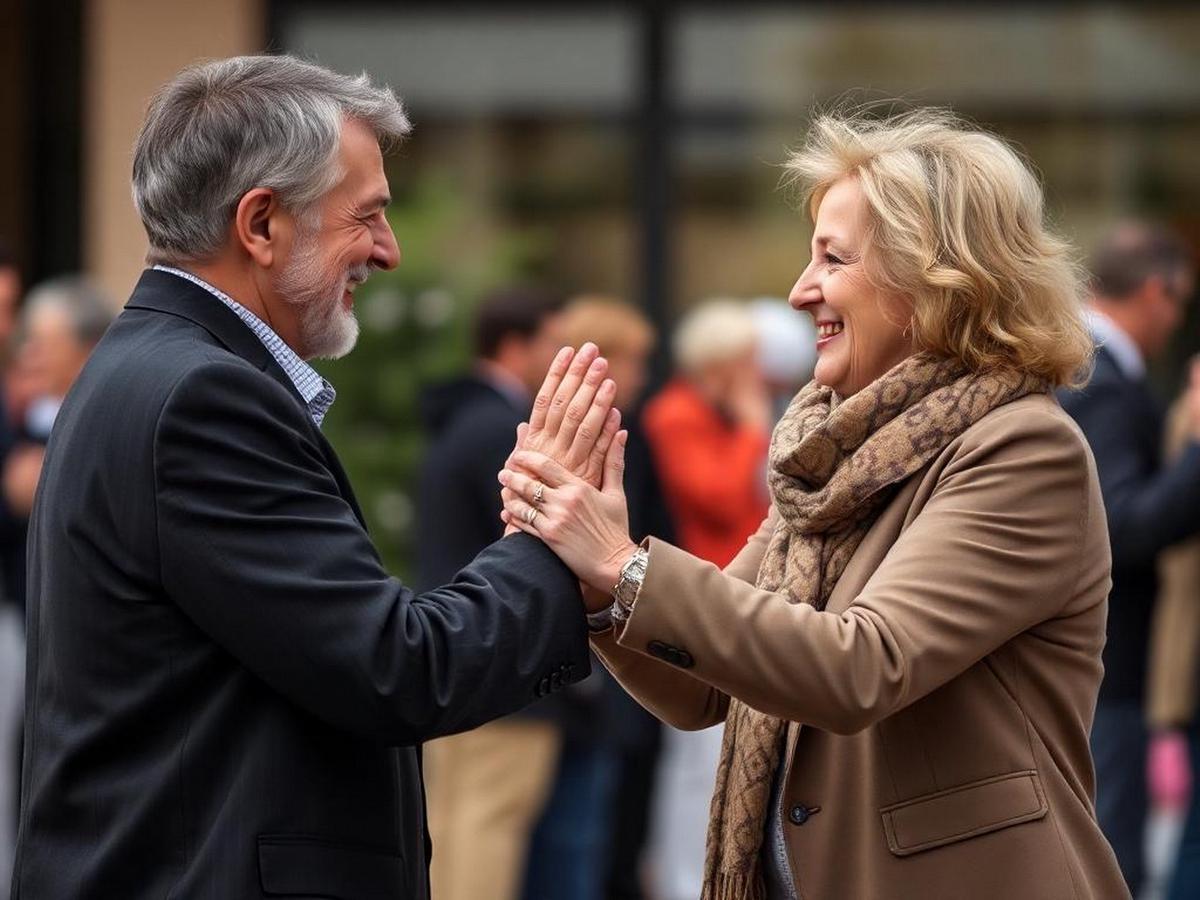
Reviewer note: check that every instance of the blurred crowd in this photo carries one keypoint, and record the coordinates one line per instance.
(585, 795)
(46, 335)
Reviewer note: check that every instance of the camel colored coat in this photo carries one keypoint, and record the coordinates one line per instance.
(940, 705)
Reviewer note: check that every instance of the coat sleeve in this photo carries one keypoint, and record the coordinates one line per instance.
(1149, 508)
(261, 551)
(996, 549)
(670, 693)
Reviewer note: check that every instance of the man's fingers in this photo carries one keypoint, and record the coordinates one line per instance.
(590, 428)
(578, 408)
(545, 394)
(595, 465)
(565, 392)
(614, 465)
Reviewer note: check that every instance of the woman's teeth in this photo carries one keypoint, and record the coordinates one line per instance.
(829, 329)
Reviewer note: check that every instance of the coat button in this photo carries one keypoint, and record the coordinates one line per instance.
(673, 655)
(800, 814)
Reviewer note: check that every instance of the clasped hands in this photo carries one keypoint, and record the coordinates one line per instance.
(563, 481)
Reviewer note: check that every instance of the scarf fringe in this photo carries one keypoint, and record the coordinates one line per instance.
(736, 885)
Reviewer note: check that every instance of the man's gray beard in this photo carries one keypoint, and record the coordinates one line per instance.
(327, 331)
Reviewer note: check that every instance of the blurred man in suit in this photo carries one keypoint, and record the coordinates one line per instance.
(486, 786)
(1142, 276)
(227, 692)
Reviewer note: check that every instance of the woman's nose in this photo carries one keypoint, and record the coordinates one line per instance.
(805, 291)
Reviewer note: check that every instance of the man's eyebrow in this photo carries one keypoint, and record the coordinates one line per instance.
(380, 201)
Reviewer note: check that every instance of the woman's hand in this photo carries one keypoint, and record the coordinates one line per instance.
(587, 528)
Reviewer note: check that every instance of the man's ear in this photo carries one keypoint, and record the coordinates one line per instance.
(258, 225)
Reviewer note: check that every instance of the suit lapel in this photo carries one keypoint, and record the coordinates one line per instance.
(167, 293)
(164, 292)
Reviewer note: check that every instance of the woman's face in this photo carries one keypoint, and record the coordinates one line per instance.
(861, 331)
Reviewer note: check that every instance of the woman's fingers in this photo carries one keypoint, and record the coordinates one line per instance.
(571, 383)
(545, 394)
(590, 428)
(523, 487)
(521, 515)
(543, 468)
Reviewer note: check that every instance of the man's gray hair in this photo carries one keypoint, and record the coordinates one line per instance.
(219, 129)
(89, 309)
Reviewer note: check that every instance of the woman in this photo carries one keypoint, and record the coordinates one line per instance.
(908, 688)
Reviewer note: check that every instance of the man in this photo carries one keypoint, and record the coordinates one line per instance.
(472, 422)
(1142, 276)
(227, 692)
(486, 786)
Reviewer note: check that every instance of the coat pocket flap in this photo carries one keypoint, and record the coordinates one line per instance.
(962, 812)
(309, 866)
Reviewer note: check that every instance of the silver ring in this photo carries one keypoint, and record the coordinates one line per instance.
(537, 493)
(530, 515)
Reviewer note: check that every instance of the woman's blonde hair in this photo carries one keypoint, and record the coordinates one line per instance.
(956, 223)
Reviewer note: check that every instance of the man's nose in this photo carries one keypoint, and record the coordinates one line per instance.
(386, 254)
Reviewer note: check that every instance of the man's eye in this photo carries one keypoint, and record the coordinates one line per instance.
(832, 260)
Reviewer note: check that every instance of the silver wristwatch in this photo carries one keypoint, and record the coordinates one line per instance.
(629, 582)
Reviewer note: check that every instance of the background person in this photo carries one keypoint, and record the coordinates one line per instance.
(907, 690)
(708, 429)
(1173, 677)
(590, 839)
(1142, 276)
(59, 324)
(486, 787)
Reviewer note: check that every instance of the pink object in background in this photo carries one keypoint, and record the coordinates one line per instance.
(1168, 772)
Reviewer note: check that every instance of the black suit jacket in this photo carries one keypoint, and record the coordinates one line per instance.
(226, 690)
(1149, 508)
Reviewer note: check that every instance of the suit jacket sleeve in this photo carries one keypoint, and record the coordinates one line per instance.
(1148, 508)
(261, 551)
(669, 693)
(992, 553)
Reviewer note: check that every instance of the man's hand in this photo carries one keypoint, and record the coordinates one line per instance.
(573, 420)
(1168, 771)
(1191, 399)
(21, 472)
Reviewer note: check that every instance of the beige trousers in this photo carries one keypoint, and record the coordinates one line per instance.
(486, 789)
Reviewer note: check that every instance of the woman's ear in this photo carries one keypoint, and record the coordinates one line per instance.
(258, 226)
